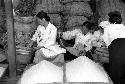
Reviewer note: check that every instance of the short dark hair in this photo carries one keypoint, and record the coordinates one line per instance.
(115, 17)
(42, 15)
(88, 25)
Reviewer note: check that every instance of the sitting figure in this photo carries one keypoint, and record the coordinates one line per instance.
(86, 39)
(45, 36)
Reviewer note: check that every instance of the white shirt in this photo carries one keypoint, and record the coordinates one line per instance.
(112, 32)
(81, 38)
(47, 37)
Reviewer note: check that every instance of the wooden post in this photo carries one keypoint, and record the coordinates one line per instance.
(11, 38)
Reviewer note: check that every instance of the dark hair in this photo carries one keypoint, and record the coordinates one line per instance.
(115, 17)
(88, 25)
(42, 15)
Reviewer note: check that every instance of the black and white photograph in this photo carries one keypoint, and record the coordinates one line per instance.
(62, 42)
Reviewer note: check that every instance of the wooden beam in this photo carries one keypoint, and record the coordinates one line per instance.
(11, 40)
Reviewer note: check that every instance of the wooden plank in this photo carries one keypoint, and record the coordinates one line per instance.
(11, 39)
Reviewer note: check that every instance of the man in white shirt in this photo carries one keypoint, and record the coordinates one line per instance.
(83, 40)
(45, 36)
(114, 37)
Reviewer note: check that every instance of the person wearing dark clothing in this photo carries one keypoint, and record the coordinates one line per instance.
(114, 37)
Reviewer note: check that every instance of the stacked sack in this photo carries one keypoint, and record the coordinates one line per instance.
(75, 13)
(53, 8)
(24, 29)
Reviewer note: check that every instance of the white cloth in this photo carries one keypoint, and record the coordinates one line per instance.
(103, 24)
(47, 37)
(112, 32)
(43, 72)
(81, 38)
(83, 69)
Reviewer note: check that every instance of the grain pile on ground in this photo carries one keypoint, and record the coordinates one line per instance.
(83, 69)
(43, 72)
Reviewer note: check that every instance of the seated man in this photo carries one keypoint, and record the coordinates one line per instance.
(45, 36)
(84, 40)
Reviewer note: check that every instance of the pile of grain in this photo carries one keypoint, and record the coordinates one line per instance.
(83, 69)
(43, 72)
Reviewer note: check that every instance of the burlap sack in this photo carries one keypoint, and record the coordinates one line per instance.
(68, 1)
(72, 21)
(78, 8)
(23, 33)
(24, 27)
(49, 6)
(2, 16)
(24, 20)
(55, 19)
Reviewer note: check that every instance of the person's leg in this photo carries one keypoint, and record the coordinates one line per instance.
(39, 56)
(59, 60)
(69, 57)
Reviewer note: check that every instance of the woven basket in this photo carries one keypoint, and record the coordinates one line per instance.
(24, 57)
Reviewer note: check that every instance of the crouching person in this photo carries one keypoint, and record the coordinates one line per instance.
(45, 36)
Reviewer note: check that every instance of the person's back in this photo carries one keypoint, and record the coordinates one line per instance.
(115, 39)
(115, 29)
(112, 32)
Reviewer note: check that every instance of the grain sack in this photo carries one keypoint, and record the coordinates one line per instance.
(83, 69)
(23, 33)
(18, 26)
(78, 8)
(43, 72)
(24, 20)
(2, 17)
(72, 21)
(68, 1)
(49, 6)
(55, 19)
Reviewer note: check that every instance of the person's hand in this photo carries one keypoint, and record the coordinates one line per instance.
(39, 47)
